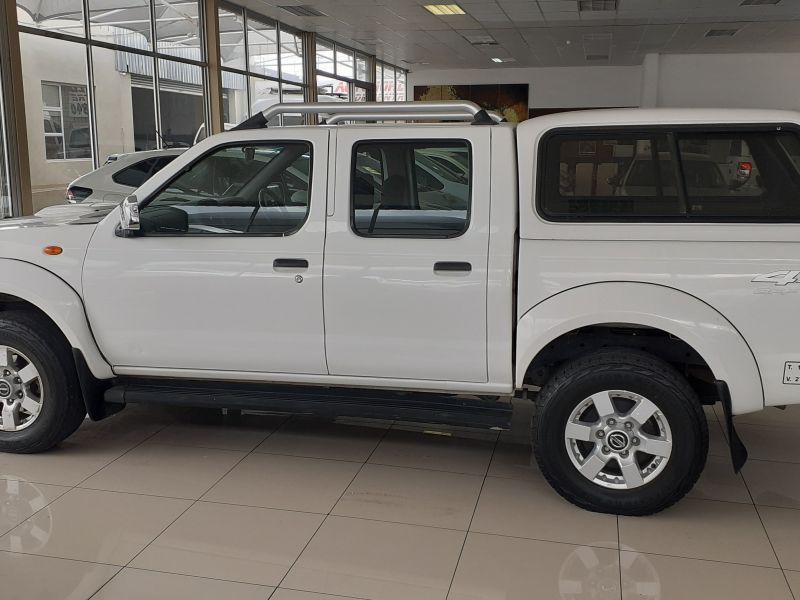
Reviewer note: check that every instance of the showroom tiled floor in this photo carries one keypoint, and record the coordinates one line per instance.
(166, 504)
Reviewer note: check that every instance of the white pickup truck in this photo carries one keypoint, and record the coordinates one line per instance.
(601, 263)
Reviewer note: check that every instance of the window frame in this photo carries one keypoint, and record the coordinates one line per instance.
(673, 133)
(152, 196)
(353, 163)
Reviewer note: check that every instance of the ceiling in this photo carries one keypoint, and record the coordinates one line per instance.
(544, 32)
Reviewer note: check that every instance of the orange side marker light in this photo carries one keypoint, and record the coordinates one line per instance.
(52, 250)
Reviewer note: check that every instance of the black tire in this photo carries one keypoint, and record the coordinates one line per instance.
(62, 410)
(634, 371)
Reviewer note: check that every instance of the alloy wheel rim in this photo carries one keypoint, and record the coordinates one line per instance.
(21, 390)
(618, 439)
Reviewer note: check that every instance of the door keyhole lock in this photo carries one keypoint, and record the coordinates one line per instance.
(298, 279)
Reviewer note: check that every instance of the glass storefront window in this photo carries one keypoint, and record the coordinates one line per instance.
(362, 72)
(181, 102)
(291, 56)
(231, 39)
(5, 191)
(178, 28)
(64, 16)
(330, 89)
(344, 63)
(400, 86)
(234, 98)
(359, 94)
(65, 108)
(262, 40)
(123, 26)
(325, 57)
(263, 94)
(125, 111)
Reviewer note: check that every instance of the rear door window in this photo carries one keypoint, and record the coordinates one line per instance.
(135, 175)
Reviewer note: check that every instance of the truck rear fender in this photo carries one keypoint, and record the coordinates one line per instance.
(680, 314)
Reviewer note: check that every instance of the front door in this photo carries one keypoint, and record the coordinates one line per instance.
(227, 274)
(406, 254)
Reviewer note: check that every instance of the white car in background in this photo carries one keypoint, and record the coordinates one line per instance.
(120, 176)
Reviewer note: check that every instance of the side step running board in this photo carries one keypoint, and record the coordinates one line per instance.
(463, 411)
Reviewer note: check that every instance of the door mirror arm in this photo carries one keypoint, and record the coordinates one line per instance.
(130, 222)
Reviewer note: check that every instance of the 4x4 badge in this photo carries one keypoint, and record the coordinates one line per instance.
(778, 278)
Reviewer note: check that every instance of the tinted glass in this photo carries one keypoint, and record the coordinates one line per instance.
(593, 176)
(136, 174)
(253, 189)
(750, 175)
(399, 190)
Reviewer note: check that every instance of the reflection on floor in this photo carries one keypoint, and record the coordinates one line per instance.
(167, 504)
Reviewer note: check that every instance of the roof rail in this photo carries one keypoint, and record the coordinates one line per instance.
(337, 112)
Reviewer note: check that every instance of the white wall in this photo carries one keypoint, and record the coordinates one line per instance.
(550, 87)
(675, 80)
(730, 80)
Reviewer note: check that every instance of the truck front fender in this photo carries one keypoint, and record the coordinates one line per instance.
(680, 314)
(55, 298)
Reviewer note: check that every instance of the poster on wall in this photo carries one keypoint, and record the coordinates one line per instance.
(508, 99)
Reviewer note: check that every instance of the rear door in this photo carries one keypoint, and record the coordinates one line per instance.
(406, 254)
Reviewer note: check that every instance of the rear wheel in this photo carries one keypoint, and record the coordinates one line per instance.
(39, 391)
(620, 431)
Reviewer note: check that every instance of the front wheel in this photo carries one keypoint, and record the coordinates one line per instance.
(39, 389)
(620, 431)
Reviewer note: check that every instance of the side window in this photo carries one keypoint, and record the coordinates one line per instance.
(161, 163)
(607, 176)
(400, 190)
(750, 175)
(136, 174)
(242, 189)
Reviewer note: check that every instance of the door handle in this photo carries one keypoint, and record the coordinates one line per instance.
(290, 263)
(446, 266)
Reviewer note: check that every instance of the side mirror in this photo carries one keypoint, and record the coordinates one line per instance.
(130, 222)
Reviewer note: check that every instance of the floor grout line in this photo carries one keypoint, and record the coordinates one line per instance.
(333, 506)
(619, 557)
(171, 523)
(472, 518)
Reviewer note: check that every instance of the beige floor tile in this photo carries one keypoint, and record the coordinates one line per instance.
(513, 460)
(441, 453)
(793, 577)
(773, 483)
(719, 482)
(234, 543)
(324, 439)
(377, 561)
(413, 496)
(287, 482)
(20, 499)
(666, 577)
(772, 416)
(722, 531)
(26, 577)
(717, 443)
(499, 568)
(211, 429)
(771, 443)
(103, 527)
(165, 470)
(529, 508)
(783, 529)
(135, 584)
(284, 594)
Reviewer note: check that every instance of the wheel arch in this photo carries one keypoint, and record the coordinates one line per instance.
(652, 306)
(26, 285)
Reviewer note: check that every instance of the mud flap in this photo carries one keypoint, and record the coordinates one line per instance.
(738, 450)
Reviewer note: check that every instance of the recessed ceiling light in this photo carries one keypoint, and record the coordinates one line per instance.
(497, 59)
(721, 32)
(758, 2)
(597, 5)
(480, 39)
(444, 10)
(303, 10)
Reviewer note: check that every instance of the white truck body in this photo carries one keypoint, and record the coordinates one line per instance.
(371, 312)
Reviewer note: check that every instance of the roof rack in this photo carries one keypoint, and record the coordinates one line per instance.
(336, 112)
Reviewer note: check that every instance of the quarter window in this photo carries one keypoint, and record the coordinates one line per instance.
(243, 189)
(672, 175)
(400, 190)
